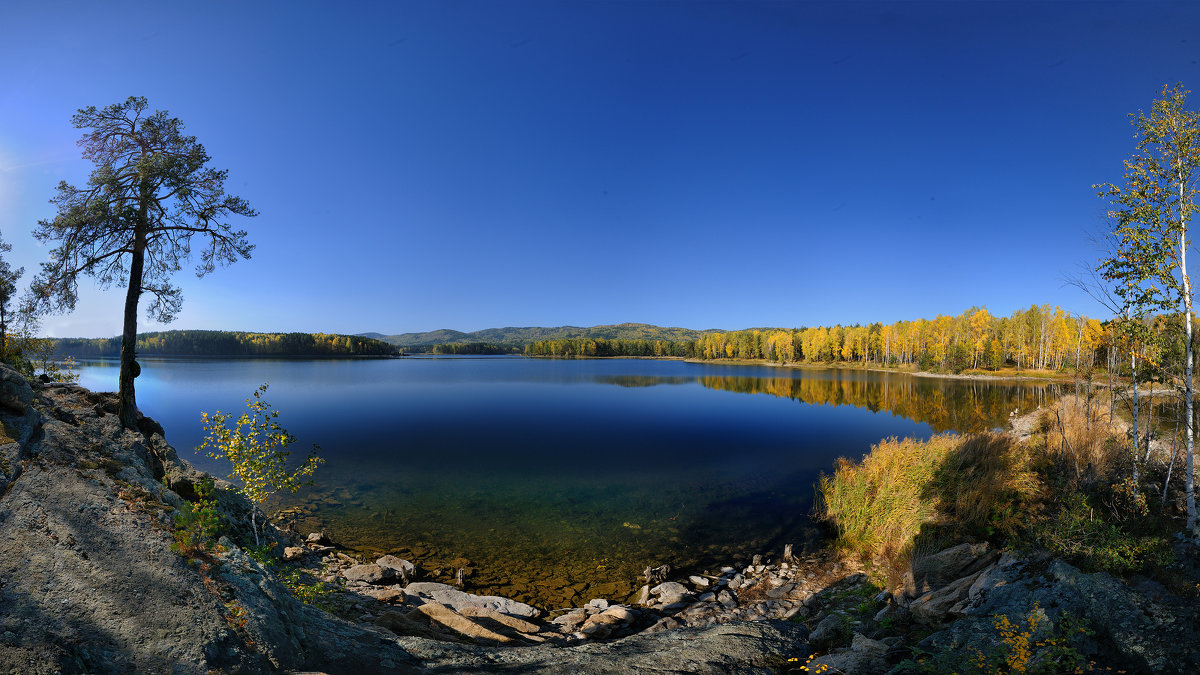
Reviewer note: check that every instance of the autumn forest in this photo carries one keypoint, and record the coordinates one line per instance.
(1038, 338)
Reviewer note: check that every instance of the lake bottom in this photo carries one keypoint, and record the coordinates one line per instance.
(554, 542)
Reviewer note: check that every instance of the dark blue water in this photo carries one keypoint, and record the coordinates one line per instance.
(560, 480)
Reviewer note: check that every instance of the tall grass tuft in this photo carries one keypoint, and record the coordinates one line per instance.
(878, 505)
(908, 493)
(988, 485)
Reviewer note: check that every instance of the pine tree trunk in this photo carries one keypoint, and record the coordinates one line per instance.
(126, 400)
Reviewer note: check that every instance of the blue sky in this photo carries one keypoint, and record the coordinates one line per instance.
(421, 165)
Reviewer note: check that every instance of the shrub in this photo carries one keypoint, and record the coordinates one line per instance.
(1033, 644)
(198, 525)
(257, 449)
(1079, 534)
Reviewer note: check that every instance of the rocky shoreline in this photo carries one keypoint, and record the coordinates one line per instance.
(89, 583)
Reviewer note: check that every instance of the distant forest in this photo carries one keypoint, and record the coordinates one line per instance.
(514, 339)
(1040, 337)
(228, 343)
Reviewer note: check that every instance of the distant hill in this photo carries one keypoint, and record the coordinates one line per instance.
(518, 336)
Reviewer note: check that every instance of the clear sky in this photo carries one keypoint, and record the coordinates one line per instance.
(424, 165)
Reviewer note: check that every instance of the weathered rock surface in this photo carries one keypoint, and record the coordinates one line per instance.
(88, 582)
(743, 647)
(1131, 630)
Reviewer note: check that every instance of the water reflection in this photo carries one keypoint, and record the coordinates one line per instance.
(561, 480)
(943, 403)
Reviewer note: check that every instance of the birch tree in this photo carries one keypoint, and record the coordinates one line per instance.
(1152, 211)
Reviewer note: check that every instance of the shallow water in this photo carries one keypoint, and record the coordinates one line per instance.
(557, 481)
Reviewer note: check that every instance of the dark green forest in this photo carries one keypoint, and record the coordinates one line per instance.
(228, 343)
(515, 339)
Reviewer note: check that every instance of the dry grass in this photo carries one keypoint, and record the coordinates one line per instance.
(909, 494)
(1084, 442)
(980, 484)
(878, 505)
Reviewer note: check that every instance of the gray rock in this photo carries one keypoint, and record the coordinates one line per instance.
(829, 632)
(400, 569)
(861, 643)
(456, 599)
(15, 392)
(571, 620)
(656, 575)
(671, 593)
(367, 574)
(598, 604)
(780, 591)
(945, 603)
(1003, 572)
(318, 539)
(864, 656)
(727, 599)
(625, 614)
(665, 623)
(933, 571)
(1141, 634)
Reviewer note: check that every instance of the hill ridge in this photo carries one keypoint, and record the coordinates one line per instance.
(520, 335)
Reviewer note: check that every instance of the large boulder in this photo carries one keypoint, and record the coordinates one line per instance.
(933, 571)
(445, 594)
(368, 574)
(15, 392)
(398, 569)
(671, 593)
(864, 656)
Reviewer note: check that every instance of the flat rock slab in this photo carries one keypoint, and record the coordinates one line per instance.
(457, 600)
(740, 647)
(519, 625)
(459, 623)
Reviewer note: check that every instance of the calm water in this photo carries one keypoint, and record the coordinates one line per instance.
(558, 481)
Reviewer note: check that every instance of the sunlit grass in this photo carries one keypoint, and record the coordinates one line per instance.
(940, 490)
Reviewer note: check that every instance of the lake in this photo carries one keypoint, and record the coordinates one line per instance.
(556, 481)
